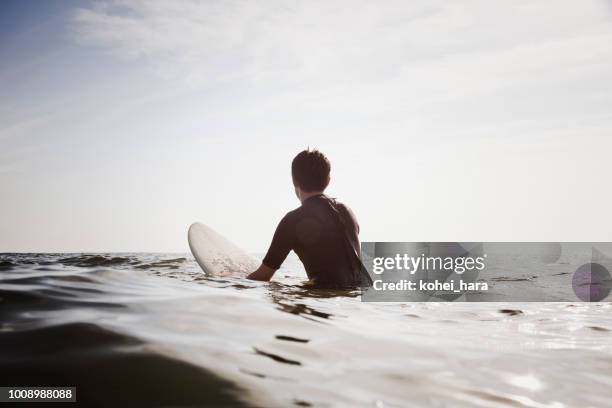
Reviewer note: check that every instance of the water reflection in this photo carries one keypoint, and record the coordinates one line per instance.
(297, 299)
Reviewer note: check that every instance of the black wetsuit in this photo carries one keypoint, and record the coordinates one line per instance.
(324, 235)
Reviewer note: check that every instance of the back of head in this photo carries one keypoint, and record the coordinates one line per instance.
(310, 170)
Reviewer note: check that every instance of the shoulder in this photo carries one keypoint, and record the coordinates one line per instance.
(345, 209)
(291, 217)
(294, 213)
(348, 215)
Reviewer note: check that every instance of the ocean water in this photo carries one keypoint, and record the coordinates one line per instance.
(151, 330)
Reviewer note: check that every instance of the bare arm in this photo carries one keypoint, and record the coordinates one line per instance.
(263, 273)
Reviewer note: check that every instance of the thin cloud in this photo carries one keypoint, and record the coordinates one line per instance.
(357, 53)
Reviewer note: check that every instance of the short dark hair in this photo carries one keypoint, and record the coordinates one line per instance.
(310, 170)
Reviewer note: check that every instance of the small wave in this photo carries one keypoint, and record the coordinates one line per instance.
(49, 339)
(164, 263)
(511, 312)
(300, 309)
(14, 301)
(276, 357)
(88, 356)
(511, 279)
(291, 338)
(91, 261)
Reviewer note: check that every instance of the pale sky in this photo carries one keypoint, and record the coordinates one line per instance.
(122, 122)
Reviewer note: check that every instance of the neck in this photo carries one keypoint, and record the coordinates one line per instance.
(306, 195)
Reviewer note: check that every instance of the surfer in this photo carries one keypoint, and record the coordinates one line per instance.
(322, 231)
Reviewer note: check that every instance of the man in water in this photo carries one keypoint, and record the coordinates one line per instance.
(322, 231)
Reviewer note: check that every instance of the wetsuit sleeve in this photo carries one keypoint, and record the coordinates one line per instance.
(282, 244)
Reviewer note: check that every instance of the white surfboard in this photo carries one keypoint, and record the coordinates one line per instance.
(216, 255)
